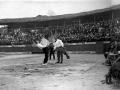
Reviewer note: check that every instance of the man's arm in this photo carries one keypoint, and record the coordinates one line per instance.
(54, 44)
(39, 45)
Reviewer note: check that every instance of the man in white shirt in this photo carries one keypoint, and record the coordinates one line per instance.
(43, 44)
(58, 46)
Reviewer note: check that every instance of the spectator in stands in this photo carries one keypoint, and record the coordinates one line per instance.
(75, 33)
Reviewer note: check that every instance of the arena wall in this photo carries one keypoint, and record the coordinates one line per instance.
(79, 47)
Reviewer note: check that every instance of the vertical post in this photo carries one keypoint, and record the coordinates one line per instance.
(64, 27)
(79, 24)
(50, 29)
(94, 19)
(35, 26)
(19, 26)
(112, 16)
(42, 31)
(56, 30)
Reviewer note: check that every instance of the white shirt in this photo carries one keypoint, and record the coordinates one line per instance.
(58, 43)
(44, 43)
(39, 45)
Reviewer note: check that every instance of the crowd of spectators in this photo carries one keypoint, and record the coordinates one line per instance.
(20, 37)
(76, 33)
(92, 32)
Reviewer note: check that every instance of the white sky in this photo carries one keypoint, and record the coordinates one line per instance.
(32, 8)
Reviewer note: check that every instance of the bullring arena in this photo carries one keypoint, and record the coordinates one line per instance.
(26, 72)
(87, 37)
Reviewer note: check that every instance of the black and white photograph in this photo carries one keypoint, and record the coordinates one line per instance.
(59, 44)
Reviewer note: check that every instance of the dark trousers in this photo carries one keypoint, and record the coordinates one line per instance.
(46, 52)
(60, 54)
(52, 52)
(105, 55)
(65, 53)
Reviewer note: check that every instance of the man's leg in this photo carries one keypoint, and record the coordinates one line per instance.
(61, 56)
(53, 52)
(46, 55)
(108, 61)
(58, 56)
(68, 57)
(50, 55)
(65, 53)
(105, 55)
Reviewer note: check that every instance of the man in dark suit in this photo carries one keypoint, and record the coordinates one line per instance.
(51, 51)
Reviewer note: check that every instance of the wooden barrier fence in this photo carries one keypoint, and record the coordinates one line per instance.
(93, 46)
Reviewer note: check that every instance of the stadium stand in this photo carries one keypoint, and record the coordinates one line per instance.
(86, 32)
(87, 27)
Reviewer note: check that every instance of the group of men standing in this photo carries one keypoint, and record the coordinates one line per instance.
(112, 56)
(49, 49)
(112, 51)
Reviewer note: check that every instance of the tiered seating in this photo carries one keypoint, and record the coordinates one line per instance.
(75, 33)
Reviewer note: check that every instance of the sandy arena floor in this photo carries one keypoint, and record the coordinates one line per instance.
(81, 72)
